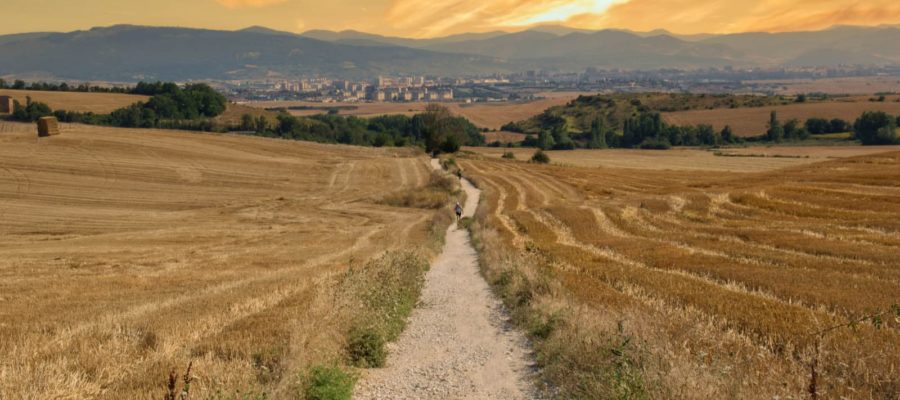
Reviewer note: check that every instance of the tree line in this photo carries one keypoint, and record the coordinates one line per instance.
(436, 129)
(171, 106)
(193, 107)
(62, 87)
(647, 130)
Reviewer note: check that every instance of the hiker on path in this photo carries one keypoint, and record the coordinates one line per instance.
(459, 211)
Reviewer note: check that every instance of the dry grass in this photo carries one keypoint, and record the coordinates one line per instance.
(692, 159)
(127, 253)
(719, 282)
(752, 121)
(76, 101)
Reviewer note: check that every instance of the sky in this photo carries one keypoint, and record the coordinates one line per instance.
(432, 18)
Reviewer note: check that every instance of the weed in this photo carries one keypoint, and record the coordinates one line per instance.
(366, 348)
(329, 383)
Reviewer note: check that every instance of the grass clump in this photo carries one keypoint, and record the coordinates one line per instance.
(509, 155)
(329, 383)
(366, 348)
(434, 195)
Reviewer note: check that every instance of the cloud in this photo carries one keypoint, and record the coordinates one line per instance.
(440, 17)
(248, 3)
(728, 16)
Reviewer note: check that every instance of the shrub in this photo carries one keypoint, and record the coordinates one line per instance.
(655, 144)
(509, 155)
(329, 383)
(540, 157)
(366, 348)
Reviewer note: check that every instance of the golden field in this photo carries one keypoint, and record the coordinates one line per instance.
(753, 121)
(866, 85)
(127, 253)
(636, 280)
(76, 101)
(747, 159)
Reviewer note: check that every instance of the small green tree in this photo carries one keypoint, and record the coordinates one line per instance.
(261, 124)
(776, 131)
(247, 123)
(597, 138)
(545, 141)
(728, 135)
(876, 128)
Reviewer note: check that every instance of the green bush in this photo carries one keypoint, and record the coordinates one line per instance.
(540, 157)
(329, 383)
(366, 348)
(509, 155)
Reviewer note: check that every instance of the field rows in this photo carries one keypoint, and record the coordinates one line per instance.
(129, 252)
(769, 257)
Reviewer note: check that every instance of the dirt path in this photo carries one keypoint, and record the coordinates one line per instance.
(458, 344)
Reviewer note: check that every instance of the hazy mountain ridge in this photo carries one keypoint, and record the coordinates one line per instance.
(135, 52)
(129, 53)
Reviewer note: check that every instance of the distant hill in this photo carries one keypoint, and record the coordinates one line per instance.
(129, 53)
(607, 48)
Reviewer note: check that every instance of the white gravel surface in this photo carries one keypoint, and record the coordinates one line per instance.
(458, 344)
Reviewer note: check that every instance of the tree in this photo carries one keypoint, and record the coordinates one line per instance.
(727, 135)
(247, 123)
(707, 135)
(775, 132)
(817, 126)
(262, 125)
(597, 139)
(876, 128)
(562, 139)
(545, 141)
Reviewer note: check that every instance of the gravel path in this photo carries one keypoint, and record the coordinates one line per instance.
(458, 344)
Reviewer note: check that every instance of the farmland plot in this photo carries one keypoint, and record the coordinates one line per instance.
(684, 284)
(126, 253)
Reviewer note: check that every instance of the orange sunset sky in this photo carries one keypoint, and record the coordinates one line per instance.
(430, 18)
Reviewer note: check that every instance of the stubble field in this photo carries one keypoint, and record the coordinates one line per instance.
(657, 282)
(127, 253)
(747, 159)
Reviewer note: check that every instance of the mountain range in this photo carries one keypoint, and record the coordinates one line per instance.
(130, 53)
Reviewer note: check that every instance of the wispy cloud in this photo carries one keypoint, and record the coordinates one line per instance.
(248, 3)
(438, 17)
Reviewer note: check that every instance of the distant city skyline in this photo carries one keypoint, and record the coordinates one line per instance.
(413, 18)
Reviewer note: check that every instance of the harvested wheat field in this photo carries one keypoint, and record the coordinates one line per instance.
(748, 159)
(76, 101)
(753, 121)
(847, 85)
(127, 253)
(645, 283)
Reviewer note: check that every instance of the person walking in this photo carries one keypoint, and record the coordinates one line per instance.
(459, 211)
